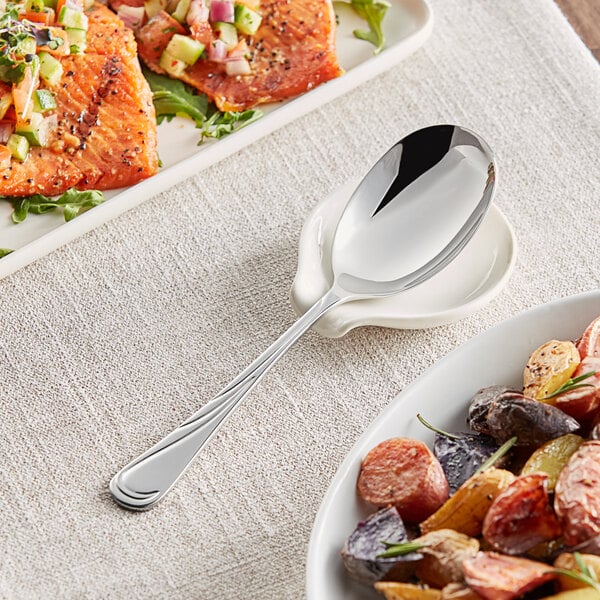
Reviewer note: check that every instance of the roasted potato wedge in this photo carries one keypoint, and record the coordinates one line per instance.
(464, 512)
(552, 457)
(459, 591)
(549, 366)
(567, 561)
(500, 577)
(583, 594)
(393, 590)
(443, 553)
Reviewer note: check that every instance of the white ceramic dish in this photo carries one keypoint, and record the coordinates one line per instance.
(474, 278)
(407, 26)
(441, 394)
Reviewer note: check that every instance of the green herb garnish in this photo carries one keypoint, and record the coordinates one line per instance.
(72, 202)
(4, 252)
(586, 574)
(373, 12)
(220, 124)
(572, 384)
(14, 34)
(452, 436)
(173, 98)
(399, 549)
(491, 461)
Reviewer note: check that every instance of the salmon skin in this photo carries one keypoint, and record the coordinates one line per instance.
(292, 52)
(106, 135)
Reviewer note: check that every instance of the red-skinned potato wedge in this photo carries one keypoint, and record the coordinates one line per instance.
(589, 343)
(403, 473)
(499, 577)
(582, 403)
(577, 495)
(521, 516)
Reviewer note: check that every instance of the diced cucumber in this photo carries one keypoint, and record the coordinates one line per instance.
(227, 33)
(27, 45)
(18, 146)
(185, 48)
(153, 7)
(172, 65)
(72, 18)
(6, 101)
(246, 20)
(31, 129)
(77, 40)
(37, 129)
(34, 5)
(51, 70)
(180, 13)
(43, 101)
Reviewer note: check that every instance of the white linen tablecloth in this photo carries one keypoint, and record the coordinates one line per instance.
(109, 342)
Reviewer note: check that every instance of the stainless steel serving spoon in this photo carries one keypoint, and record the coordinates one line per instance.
(408, 218)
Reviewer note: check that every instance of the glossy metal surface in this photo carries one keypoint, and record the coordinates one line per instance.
(408, 218)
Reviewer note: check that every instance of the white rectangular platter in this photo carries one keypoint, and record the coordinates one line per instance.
(407, 26)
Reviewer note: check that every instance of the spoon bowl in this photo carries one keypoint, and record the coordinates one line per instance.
(407, 219)
(414, 211)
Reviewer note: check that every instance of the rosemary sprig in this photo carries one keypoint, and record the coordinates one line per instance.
(427, 424)
(491, 461)
(395, 549)
(572, 384)
(586, 574)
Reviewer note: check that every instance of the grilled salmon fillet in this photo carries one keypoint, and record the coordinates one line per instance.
(292, 52)
(106, 135)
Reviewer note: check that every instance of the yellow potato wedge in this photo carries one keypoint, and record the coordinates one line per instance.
(392, 590)
(552, 457)
(459, 591)
(583, 594)
(465, 510)
(549, 367)
(567, 561)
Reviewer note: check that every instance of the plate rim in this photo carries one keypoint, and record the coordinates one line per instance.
(364, 439)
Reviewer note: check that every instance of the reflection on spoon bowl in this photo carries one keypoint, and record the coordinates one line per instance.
(474, 278)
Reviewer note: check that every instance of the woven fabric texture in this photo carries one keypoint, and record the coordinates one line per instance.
(114, 339)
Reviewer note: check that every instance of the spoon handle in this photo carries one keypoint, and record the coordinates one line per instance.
(144, 481)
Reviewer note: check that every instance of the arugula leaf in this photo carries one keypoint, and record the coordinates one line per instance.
(72, 203)
(4, 252)
(373, 12)
(173, 98)
(220, 124)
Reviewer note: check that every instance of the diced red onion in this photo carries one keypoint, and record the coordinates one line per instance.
(237, 66)
(217, 51)
(198, 12)
(132, 16)
(221, 10)
(6, 130)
